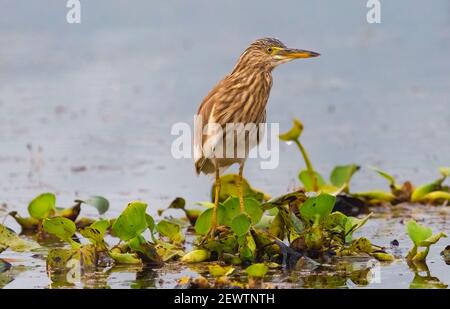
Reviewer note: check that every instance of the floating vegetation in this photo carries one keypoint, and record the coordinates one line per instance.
(44, 206)
(308, 232)
(422, 237)
(432, 193)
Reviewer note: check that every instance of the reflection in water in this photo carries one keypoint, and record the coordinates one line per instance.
(423, 279)
(343, 273)
(8, 273)
(145, 279)
(346, 272)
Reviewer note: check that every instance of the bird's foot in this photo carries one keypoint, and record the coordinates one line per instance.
(210, 235)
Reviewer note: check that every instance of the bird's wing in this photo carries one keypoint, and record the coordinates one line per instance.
(205, 115)
(230, 101)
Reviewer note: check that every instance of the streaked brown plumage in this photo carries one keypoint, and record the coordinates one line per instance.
(240, 97)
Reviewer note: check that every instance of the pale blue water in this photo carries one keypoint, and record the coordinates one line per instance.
(104, 94)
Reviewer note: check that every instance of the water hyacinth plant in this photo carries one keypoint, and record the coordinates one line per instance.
(432, 193)
(422, 237)
(306, 229)
(44, 206)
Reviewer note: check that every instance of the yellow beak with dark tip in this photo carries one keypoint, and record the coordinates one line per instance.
(291, 53)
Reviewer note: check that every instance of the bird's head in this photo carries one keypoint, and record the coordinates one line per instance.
(269, 53)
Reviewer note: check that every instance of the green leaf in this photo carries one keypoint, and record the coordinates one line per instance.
(59, 226)
(101, 226)
(58, 258)
(383, 256)
(420, 192)
(226, 243)
(330, 189)
(132, 222)
(296, 223)
(203, 223)
(150, 222)
(231, 259)
(205, 204)
(361, 244)
(9, 239)
(420, 256)
(27, 224)
(232, 209)
(306, 179)
(125, 258)
(218, 271)
(240, 224)
(258, 270)
(168, 251)
(317, 207)
(69, 213)
(151, 225)
(446, 254)
(277, 228)
(96, 233)
(432, 239)
(294, 133)
(385, 175)
(85, 222)
(61, 263)
(42, 206)
(196, 256)
(335, 220)
(146, 251)
(352, 224)
(417, 232)
(292, 197)
(436, 196)
(62, 228)
(314, 239)
(88, 256)
(375, 195)
(445, 171)
(99, 202)
(170, 230)
(247, 249)
(178, 203)
(192, 215)
(341, 175)
(245, 253)
(229, 187)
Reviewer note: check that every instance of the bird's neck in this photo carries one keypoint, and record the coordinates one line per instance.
(244, 72)
(252, 87)
(245, 67)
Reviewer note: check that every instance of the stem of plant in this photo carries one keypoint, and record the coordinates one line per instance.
(309, 166)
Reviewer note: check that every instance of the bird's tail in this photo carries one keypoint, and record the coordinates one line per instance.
(204, 165)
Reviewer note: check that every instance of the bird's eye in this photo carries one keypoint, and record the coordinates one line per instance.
(270, 49)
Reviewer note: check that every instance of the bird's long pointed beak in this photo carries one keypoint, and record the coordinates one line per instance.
(291, 53)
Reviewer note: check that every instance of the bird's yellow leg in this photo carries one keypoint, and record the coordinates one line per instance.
(241, 187)
(216, 204)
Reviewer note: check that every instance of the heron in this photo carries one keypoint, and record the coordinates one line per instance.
(239, 98)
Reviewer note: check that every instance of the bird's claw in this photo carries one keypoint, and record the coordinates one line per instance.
(210, 235)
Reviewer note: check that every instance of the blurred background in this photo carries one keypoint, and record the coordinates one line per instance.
(87, 108)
